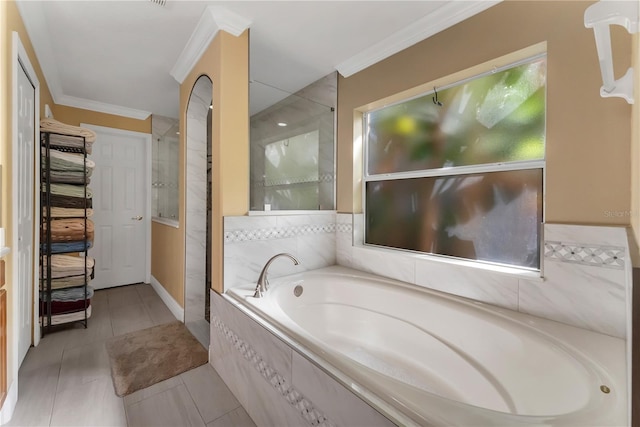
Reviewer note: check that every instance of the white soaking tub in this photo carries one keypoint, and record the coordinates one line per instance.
(429, 358)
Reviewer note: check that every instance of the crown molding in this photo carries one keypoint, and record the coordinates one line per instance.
(38, 30)
(102, 107)
(228, 21)
(439, 20)
(213, 19)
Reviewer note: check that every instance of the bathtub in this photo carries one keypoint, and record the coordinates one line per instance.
(424, 357)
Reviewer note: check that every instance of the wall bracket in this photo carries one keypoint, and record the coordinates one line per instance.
(600, 16)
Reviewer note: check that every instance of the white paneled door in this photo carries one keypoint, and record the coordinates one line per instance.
(25, 103)
(121, 207)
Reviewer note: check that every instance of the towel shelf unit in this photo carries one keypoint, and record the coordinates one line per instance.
(65, 231)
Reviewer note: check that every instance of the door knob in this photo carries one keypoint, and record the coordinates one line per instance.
(137, 218)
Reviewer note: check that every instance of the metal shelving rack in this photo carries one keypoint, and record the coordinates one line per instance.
(45, 225)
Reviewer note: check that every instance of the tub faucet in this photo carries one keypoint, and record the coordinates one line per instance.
(263, 283)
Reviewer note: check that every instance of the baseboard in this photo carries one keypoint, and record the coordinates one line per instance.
(9, 403)
(166, 297)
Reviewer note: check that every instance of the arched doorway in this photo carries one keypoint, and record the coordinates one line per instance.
(198, 210)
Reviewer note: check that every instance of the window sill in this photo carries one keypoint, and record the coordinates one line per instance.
(292, 212)
(519, 273)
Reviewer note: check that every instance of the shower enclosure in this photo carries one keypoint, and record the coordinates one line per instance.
(164, 169)
(292, 150)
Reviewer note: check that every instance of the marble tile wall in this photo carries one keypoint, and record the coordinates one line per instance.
(587, 288)
(273, 382)
(249, 242)
(196, 199)
(586, 275)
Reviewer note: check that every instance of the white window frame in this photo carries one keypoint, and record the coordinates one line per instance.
(456, 170)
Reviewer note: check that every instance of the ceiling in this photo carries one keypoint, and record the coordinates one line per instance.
(116, 56)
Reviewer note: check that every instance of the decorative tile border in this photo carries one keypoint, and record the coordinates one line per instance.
(312, 415)
(344, 228)
(577, 253)
(277, 232)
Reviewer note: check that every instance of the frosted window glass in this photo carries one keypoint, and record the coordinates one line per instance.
(499, 117)
(493, 217)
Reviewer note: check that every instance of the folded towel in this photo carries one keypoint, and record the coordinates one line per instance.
(62, 247)
(67, 265)
(69, 230)
(63, 307)
(69, 294)
(66, 201)
(66, 318)
(67, 212)
(68, 272)
(67, 162)
(69, 261)
(66, 282)
(71, 177)
(69, 190)
(68, 142)
(52, 125)
(72, 159)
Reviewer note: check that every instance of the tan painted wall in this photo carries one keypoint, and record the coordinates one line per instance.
(10, 21)
(635, 153)
(226, 62)
(588, 168)
(74, 116)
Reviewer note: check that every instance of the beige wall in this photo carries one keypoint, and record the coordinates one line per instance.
(588, 168)
(74, 116)
(226, 62)
(635, 152)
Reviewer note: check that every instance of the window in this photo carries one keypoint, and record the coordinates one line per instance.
(464, 178)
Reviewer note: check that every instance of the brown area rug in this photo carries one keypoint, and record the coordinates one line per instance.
(142, 358)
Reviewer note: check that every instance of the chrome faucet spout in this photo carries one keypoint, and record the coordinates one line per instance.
(263, 282)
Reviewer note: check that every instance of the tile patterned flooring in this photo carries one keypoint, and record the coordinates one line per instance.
(66, 380)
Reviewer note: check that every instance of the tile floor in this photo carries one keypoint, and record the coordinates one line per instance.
(66, 380)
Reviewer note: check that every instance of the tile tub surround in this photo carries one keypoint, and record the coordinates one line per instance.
(589, 288)
(273, 382)
(586, 273)
(249, 242)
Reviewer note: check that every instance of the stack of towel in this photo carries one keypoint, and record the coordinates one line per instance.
(67, 132)
(65, 301)
(68, 266)
(68, 167)
(66, 209)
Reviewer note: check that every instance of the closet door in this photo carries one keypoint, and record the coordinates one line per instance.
(121, 206)
(25, 169)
